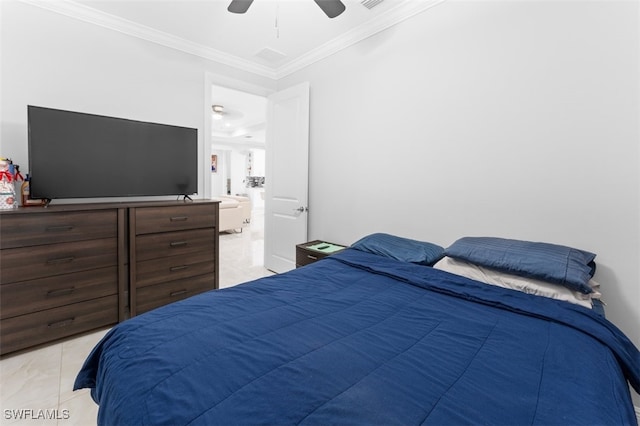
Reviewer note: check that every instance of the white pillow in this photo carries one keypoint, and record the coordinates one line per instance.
(515, 282)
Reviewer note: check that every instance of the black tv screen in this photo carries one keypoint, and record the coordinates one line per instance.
(78, 155)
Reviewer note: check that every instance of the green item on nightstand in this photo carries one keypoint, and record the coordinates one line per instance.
(326, 247)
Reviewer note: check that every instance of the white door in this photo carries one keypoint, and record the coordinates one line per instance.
(286, 176)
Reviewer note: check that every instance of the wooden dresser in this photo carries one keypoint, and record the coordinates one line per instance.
(59, 274)
(68, 269)
(173, 253)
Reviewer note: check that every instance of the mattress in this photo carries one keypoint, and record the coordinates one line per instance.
(361, 339)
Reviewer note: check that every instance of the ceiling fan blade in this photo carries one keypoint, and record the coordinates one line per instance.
(239, 6)
(331, 8)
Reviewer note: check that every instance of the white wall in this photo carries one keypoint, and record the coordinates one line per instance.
(56, 61)
(498, 118)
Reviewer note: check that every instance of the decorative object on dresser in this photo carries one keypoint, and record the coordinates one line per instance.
(68, 269)
(313, 251)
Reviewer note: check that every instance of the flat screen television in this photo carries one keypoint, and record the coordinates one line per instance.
(79, 155)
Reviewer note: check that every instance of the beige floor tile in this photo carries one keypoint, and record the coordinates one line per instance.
(30, 383)
(80, 410)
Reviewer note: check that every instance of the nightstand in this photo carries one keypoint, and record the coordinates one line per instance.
(313, 251)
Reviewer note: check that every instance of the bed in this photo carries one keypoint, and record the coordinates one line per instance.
(368, 336)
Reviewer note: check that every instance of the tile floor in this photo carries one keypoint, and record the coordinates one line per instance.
(36, 386)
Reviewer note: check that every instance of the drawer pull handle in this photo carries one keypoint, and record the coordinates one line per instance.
(177, 244)
(61, 292)
(58, 228)
(60, 260)
(178, 293)
(63, 323)
(178, 218)
(312, 257)
(179, 268)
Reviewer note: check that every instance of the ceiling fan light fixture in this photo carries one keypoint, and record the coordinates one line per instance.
(239, 6)
(331, 8)
(217, 111)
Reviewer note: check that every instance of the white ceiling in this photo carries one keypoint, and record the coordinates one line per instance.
(243, 120)
(273, 38)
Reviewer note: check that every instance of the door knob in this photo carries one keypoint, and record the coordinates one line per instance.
(301, 209)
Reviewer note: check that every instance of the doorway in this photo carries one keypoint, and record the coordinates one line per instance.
(238, 131)
(287, 112)
(237, 137)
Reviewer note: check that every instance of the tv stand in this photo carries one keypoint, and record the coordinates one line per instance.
(69, 269)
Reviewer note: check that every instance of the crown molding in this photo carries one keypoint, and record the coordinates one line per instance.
(397, 14)
(93, 16)
(403, 11)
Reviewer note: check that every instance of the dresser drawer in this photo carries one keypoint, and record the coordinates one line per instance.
(23, 264)
(26, 297)
(174, 218)
(45, 326)
(153, 246)
(172, 268)
(151, 297)
(305, 257)
(46, 228)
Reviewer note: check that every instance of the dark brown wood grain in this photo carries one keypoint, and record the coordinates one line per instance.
(52, 324)
(175, 218)
(178, 243)
(69, 269)
(26, 263)
(26, 297)
(152, 297)
(169, 248)
(49, 228)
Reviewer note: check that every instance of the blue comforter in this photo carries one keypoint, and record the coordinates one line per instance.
(361, 339)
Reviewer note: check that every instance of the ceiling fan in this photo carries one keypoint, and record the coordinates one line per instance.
(331, 8)
(220, 112)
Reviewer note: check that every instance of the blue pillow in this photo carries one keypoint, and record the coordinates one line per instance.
(400, 248)
(553, 263)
